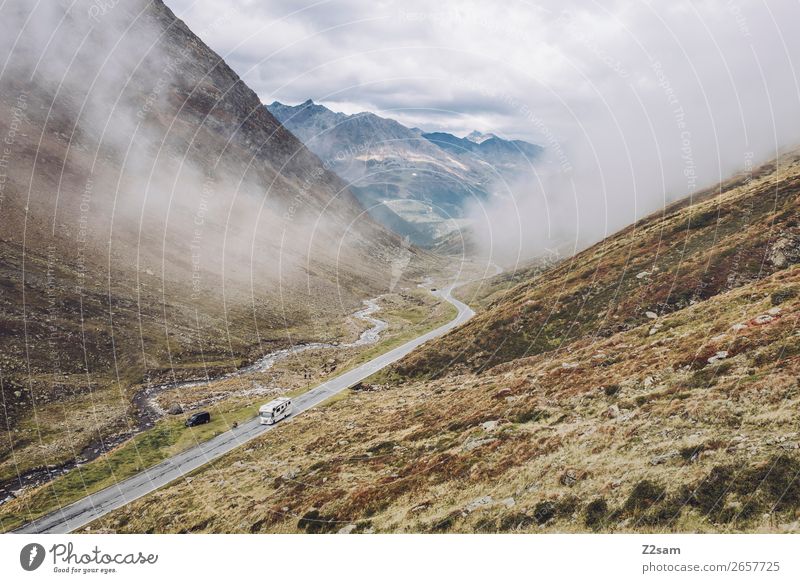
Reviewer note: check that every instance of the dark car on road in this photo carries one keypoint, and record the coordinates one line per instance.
(198, 419)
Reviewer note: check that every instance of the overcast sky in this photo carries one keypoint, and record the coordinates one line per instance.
(460, 65)
(643, 101)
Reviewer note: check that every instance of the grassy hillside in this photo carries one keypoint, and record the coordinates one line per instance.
(729, 236)
(572, 408)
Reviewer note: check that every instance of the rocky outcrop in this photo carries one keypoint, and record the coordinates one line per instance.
(785, 251)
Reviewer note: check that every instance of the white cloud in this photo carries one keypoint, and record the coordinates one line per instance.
(646, 101)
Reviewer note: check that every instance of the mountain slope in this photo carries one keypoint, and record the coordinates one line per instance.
(508, 157)
(417, 184)
(680, 420)
(156, 222)
(730, 236)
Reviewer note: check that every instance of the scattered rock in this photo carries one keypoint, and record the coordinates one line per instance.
(648, 382)
(785, 251)
(175, 409)
(489, 426)
(347, 529)
(651, 315)
(762, 319)
(642, 274)
(612, 412)
(656, 327)
(508, 502)
(473, 443)
(290, 474)
(664, 458)
(721, 355)
(774, 311)
(481, 502)
(738, 327)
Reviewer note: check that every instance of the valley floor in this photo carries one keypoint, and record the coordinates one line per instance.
(613, 434)
(649, 384)
(233, 398)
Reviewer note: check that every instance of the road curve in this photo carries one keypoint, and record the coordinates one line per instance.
(92, 507)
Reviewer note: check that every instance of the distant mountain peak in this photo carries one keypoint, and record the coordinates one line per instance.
(478, 137)
(415, 183)
(307, 105)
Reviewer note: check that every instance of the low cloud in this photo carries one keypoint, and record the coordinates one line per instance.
(637, 103)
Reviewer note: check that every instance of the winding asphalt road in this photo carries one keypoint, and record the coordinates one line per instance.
(94, 506)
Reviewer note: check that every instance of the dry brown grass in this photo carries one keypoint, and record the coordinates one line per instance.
(416, 457)
(623, 427)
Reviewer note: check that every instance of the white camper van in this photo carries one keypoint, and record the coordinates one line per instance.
(275, 410)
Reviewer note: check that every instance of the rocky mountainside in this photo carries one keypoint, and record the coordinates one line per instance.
(507, 157)
(648, 384)
(417, 184)
(155, 222)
